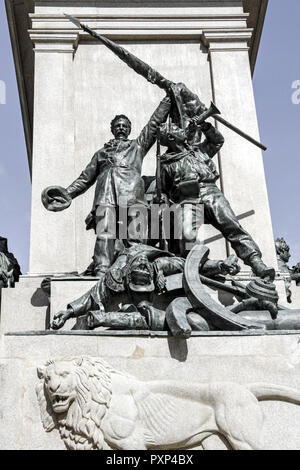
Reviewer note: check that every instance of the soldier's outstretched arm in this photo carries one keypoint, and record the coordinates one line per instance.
(86, 179)
(213, 139)
(148, 135)
(91, 300)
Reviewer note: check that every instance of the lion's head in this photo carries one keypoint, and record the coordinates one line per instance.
(74, 395)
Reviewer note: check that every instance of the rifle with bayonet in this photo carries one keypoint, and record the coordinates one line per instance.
(152, 75)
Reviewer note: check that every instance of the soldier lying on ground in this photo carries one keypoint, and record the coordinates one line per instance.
(139, 272)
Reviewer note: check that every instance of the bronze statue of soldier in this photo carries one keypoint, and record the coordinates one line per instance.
(189, 178)
(137, 273)
(116, 170)
(120, 175)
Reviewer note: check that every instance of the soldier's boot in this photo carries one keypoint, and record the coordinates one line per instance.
(260, 269)
(103, 255)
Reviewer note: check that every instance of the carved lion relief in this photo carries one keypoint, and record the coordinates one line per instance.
(97, 407)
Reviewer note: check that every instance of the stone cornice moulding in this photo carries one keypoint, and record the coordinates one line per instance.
(58, 42)
(225, 40)
(125, 25)
(122, 15)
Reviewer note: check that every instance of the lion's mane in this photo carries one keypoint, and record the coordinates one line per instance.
(80, 426)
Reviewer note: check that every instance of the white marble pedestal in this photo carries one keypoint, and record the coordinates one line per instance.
(208, 358)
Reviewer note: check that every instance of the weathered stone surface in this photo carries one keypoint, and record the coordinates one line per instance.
(11, 404)
(24, 307)
(295, 295)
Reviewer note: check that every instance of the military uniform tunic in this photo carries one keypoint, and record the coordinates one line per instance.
(117, 166)
(194, 170)
(116, 169)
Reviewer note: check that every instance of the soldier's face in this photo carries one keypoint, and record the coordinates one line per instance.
(173, 134)
(191, 107)
(121, 129)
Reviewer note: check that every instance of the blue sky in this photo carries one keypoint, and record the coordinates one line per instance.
(15, 190)
(277, 69)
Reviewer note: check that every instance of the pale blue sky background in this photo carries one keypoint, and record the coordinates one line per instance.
(278, 66)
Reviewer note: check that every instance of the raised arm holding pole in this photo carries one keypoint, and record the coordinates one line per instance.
(152, 75)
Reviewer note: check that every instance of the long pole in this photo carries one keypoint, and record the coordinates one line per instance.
(238, 131)
(150, 74)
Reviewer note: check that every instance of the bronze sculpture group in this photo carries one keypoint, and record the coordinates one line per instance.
(150, 280)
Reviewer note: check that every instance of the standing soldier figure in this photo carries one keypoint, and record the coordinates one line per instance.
(117, 170)
(188, 178)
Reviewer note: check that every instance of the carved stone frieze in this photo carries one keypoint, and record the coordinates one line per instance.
(95, 406)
